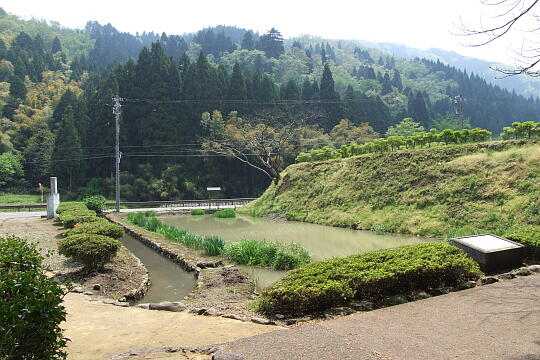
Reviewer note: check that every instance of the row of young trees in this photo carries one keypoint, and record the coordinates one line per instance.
(528, 129)
(394, 143)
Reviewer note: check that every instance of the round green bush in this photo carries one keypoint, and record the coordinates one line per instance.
(96, 203)
(31, 308)
(101, 227)
(225, 213)
(91, 250)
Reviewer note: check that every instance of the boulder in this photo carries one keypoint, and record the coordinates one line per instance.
(506, 276)
(167, 306)
(485, 280)
(262, 321)
(523, 272)
(534, 268)
(465, 285)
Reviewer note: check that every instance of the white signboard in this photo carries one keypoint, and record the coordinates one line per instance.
(215, 188)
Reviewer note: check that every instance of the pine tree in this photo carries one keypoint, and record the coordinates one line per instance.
(291, 91)
(271, 43)
(330, 99)
(396, 80)
(67, 151)
(56, 45)
(237, 85)
(247, 42)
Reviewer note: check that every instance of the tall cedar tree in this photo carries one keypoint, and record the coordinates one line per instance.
(271, 43)
(67, 151)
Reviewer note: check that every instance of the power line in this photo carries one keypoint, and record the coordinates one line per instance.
(71, 159)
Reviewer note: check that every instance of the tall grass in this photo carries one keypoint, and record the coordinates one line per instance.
(225, 213)
(198, 211)
(264, 253)
(213, 245)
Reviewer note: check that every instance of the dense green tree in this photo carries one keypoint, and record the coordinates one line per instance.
(56, 45)
(406, 127)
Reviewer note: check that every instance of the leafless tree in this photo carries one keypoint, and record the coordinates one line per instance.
(509, 17)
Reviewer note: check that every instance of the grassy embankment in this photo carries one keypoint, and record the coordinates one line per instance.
(16, 199)
(444, 191)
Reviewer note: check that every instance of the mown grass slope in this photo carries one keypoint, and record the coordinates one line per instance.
(443, 191)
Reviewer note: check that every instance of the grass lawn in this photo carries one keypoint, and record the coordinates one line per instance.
(16, 199)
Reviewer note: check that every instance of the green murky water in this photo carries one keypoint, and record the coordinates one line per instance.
(168, 281)
(322, 242)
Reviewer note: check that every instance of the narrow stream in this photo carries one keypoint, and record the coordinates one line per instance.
(168, 281)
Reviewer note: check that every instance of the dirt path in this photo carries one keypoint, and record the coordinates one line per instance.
(101, 331)
(98, 331)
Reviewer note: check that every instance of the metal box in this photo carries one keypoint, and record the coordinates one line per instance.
(491, 252)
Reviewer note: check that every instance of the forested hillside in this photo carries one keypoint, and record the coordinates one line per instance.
(57, 85)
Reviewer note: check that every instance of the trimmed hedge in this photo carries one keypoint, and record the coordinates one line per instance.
(91, 250)
(530, 237)
(70, 206)
(101, 227)
(69, 218)
(31, 308)
(325, 284)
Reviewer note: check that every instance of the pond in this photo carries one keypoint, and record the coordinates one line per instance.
(322, 242)
(168, 281)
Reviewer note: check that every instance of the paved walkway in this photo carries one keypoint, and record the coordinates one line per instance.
(498, 321)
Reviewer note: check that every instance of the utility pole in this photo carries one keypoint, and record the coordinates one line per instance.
(117, 155)
(458, 108)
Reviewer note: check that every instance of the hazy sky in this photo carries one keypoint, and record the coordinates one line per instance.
(416, 23)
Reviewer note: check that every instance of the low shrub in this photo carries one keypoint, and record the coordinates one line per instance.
(213, 245)
(102, 227)
(198, 211)
(225, 213)
(321, 285)
(149, 213)
(91, 250)
(96, 203)
(69, 218)
(530, 237)
(31, 308)
(265, 253)
(70, 206)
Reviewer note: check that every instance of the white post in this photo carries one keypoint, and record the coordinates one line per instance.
(53, 199)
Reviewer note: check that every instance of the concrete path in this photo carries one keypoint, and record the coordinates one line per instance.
(498, 321)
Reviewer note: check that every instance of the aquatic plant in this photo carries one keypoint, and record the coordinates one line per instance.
(225, 213)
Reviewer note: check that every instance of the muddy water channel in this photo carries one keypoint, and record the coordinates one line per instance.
(168, 281)
(322, 242)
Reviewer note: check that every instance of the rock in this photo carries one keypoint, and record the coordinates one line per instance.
(363, 305)
(198, 311)
(293, 321)
(88, 293)
(465, 285)
(279, 316)
(96, 287)
(212, 312)
(108, 301)
(418, 295)
(77, 289)
(395, 300)
(262, 321)
(209, 264)
(523, 272)
(223, 355)
(143, 306)
(168, 306)
(484, 280)
(233, 316)
(534, 268)
(121, 303)
(339, 311)
(506, 276)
